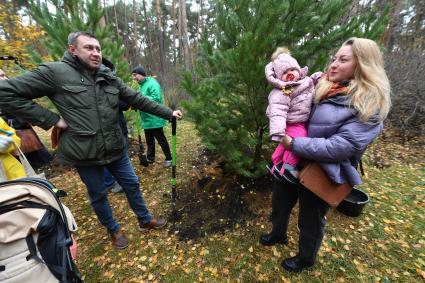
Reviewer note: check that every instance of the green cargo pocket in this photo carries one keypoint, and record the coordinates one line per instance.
(76, 96)
(112, 96)
(79, 145)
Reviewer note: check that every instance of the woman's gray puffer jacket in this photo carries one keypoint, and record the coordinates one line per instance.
(336, 139)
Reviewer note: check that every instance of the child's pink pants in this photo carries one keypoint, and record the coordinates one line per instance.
(281, 154)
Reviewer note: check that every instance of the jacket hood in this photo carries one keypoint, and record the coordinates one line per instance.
(284, 62)
(105, 68)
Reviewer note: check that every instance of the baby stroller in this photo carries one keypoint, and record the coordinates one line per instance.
(35, 234)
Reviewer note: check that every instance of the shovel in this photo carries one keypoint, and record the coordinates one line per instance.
(143, 160)
(173, 155)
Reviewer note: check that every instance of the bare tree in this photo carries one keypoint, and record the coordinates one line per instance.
(149, 45)
(199, 24)
(184, 40)
(135, 36)
(116, 19)
(105, 14)
(389, 37)
(174, 31)
(160, 36)
(404, 69)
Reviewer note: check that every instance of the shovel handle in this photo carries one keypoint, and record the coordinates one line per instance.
(173, 155)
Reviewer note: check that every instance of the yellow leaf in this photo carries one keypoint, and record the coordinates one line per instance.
(276, 253)
(251, 249)
(387, 230)
(420, 272)
(360, 268)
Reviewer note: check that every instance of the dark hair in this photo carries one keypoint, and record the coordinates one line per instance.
(72, 37)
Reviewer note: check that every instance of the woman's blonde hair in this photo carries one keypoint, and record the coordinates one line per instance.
(370, 88)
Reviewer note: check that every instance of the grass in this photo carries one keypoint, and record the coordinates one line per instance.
(384, 244)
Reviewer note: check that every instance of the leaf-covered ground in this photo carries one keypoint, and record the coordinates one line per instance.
(213, 229)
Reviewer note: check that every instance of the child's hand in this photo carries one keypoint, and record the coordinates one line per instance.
(73, 248)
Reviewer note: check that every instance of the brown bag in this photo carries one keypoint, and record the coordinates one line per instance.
(314, 178)
(29, 140)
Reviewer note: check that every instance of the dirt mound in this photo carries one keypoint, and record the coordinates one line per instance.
(213, 202)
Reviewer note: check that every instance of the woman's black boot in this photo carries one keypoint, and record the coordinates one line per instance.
(296, 264)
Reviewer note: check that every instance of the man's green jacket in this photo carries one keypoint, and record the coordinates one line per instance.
(150, 88)
(88, 103)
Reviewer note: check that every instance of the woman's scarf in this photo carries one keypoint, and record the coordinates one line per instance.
(339, 88)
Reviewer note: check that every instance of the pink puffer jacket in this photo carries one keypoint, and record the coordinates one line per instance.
(289, 109)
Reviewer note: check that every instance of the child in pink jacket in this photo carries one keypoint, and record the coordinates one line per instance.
(289, 108)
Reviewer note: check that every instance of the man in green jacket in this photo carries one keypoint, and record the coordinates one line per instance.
(153, 125)
(86, 91)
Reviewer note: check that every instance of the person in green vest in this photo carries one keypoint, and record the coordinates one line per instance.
(153, 125)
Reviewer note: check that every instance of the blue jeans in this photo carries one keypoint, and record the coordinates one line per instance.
(109, 179)
(94, 179)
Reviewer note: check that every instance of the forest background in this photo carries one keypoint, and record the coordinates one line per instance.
(209, 57)
(215, 51)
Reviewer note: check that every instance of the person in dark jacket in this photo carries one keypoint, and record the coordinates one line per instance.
(351, 101)
(86, 94)
(153, 125)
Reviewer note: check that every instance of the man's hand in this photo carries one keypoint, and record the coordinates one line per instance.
(5, 142)
(178, 114)
(61, 124)
(286, 142)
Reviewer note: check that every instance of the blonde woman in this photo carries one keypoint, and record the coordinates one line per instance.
(351, 101)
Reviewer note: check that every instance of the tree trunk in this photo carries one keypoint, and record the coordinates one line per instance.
(116, 20)
(105, 12)
(174, 32)
(148, 48)
(135, 35)
(125, 16)
(389, 36)
(199, 25)
(184, 40)
(418, 26)
(160, 36)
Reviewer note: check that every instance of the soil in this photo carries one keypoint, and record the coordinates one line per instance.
(214, 202)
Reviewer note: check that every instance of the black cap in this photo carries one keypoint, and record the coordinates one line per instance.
(139, 70)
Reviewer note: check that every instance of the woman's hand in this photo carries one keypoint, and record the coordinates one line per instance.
(286, 142)
(178, 114)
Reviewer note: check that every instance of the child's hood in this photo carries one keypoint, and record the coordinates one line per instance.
(284, 62)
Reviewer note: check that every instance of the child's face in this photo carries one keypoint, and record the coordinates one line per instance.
(291, 75)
